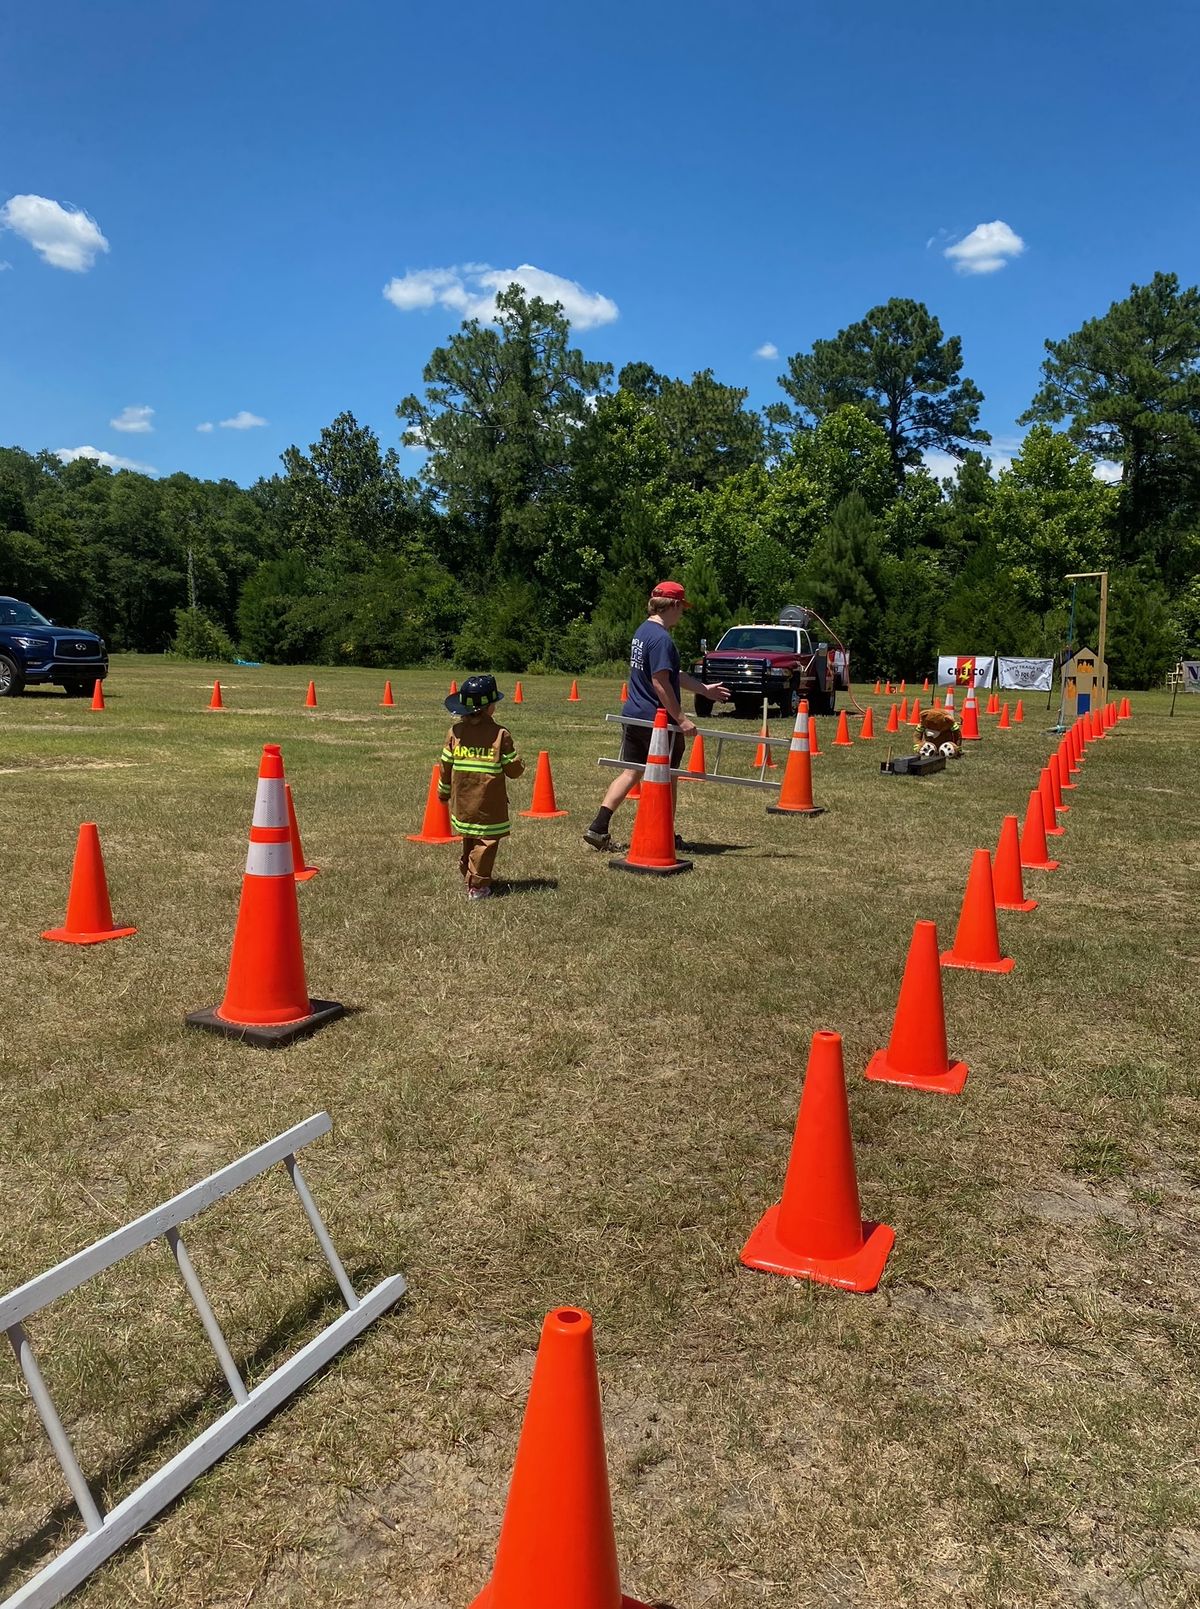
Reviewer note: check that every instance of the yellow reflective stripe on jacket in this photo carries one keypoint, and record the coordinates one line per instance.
(481, 829)
(491, 768)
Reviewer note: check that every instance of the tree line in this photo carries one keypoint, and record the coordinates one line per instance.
(553, 494)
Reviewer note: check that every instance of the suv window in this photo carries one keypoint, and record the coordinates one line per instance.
(770, 639)
(13, 613)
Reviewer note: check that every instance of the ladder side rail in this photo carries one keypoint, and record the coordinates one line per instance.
(208, 1318)
(349, 1294)
(88, 1508)
(704, 731)
(94, 1259)
(767, 786)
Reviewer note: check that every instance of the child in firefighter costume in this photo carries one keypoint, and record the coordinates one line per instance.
(477, 756)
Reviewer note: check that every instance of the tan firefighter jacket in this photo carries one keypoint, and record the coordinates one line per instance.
(477, 757)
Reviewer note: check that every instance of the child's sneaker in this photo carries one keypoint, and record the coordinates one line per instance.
(479, 893)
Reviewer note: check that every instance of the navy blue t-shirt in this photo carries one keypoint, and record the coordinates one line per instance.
(652, 649)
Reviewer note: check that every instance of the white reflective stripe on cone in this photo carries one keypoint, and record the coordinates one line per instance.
(269, 860)
(270, 803)
(800, 732)
(658, 750)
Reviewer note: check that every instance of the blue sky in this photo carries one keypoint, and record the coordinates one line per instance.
(712, 176)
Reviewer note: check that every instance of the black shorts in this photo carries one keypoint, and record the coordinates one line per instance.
(635, 745)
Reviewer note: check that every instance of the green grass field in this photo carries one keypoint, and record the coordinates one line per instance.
(584, 1092)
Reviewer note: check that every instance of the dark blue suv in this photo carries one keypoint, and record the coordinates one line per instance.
(34, 650)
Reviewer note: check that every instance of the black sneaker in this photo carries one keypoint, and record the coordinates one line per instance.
(679, 843)
(597, 839)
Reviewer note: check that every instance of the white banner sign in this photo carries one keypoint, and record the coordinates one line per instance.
(958, 670)
(1029, 675)
(1191, 675)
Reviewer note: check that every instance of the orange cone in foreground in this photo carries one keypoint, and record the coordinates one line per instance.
(310, 698)
(916, 1054)
(556, 1543)
(387, 702)
(652, 844)
(696, 763)
(843, 740)
(301, 870)
(544, 803)
(518, 694)
(573, 695)
(1035, 853)
(216, 702)
(435, 828)
(97, 695)
(796, 795)
(977, 938)
(1007, 882)
(816, 1231)
(1019, 712)
(1004, 724)
(266, 996)
(89, 915)
(867, 730)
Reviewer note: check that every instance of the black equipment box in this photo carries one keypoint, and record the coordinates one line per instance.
(913, 765)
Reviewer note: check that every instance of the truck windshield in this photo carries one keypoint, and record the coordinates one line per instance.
(768, 639)
(13, 613)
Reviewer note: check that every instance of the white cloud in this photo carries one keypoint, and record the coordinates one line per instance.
(944, 466)
(206, 427)
(4, 267)
(987, 248)
(64, 237)
(135, 419)
(470, 290)
(243, 421)
(109, 460)
(767, 350)
(1104, 469)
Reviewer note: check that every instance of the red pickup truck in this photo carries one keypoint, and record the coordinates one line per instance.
(779, 663)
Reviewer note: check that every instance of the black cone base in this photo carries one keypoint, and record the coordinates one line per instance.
(274, 1035)
(650, 871)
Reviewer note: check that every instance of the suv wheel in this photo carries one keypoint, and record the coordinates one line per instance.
(12, 681)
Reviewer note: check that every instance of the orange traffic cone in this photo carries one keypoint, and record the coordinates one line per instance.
(1007, 883)
(887, 687)
(877, 686)
(573, 695)
(925, 685)
(1035, 852)
(266, 996)
(387, 702)
(310, 698)
(902, 684)
(97, 695)
(914, 716)
(301, 870)
(652, 844)
(1004, 724)
(950, 701)
(216, 702)
(435, 828)
(1055, 767)
(977, 938)
(814, 747)
(453, 688)
(970, 717)
(1019, 712)
(796, 795)
(635, 793)
(544, 803)
(867, 730)
(556, 1539)
(624, 691)
(89, 915)
(903, 716)
(893, 720)
(816, 1231)
(993, 704)
(518, 694)
(937, 701)
(696, 764)
(916, 1053)
(1124, 713)
(843, 740)
(762, 754)
(1049, 813)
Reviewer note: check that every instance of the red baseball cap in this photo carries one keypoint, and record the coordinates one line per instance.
(670, 592)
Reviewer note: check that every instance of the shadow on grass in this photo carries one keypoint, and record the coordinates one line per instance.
(523, 885)
(189, 1419)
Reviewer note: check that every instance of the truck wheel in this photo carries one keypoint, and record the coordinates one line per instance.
(704, 707)
(12, 681)
(746, 711)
